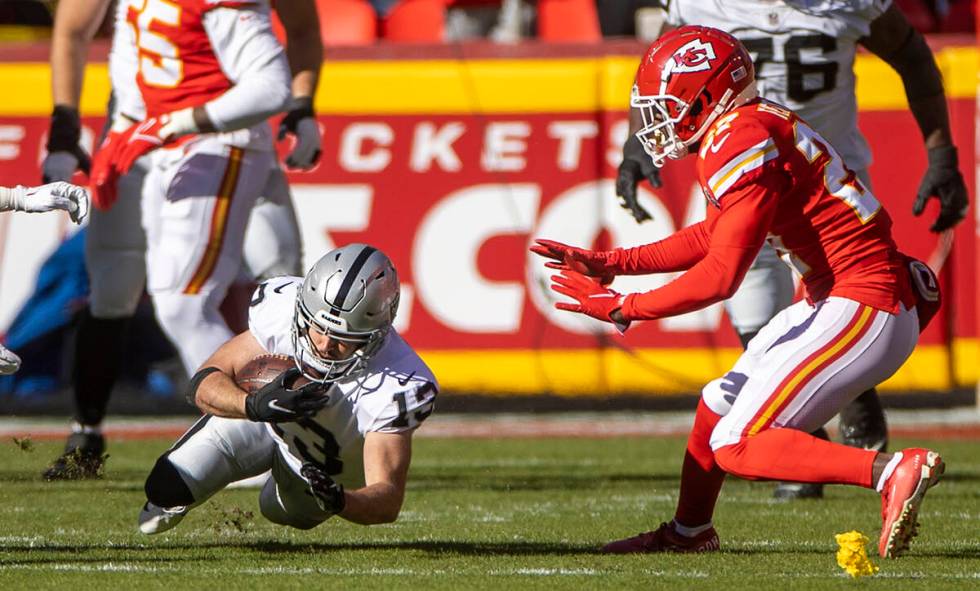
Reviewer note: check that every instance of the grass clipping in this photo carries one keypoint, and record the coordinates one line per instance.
(852, 556)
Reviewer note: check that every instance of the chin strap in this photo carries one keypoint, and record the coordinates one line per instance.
(727, 103)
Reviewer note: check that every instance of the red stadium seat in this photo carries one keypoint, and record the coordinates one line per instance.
(568, 20)
(416, 21)
(347, 22)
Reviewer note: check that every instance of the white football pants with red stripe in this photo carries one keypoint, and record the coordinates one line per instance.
(196, 204)
(806, 364)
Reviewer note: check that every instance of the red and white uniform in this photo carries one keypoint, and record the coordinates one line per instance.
(804, 53)
(768, 176)
(198, 194)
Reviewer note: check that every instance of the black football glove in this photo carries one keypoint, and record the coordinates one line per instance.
(329, 495)
(64, 154)
(276, 402)
(943, 181)
(636, 165)
(300, 121)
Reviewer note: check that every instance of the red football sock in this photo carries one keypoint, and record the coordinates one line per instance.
(701, 478)
(788, 454)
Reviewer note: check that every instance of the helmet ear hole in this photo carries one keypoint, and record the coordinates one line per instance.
(696, 107)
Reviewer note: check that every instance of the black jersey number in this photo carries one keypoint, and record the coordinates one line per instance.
(325, 452)
(420, 414)
(797, 72)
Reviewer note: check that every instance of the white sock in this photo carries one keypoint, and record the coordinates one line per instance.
(887, 472)
(690, 532)
(77, 427)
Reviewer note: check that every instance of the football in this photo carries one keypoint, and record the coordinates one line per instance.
(263, 369)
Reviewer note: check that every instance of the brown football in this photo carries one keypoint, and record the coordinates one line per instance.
(263, 369)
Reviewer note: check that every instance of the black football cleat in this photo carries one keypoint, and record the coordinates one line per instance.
(862, 423)
(84, 458)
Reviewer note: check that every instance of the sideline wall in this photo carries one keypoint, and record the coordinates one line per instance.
(452, 163)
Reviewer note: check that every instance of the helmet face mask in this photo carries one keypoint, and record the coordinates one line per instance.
(686, 80)
(659, 136)
(343, 313)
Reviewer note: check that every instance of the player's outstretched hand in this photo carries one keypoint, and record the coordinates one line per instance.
(592, 298)
(301, 123)
(276, 402)
(65, 155)
(328, 493)
(594, 263)
(60, 195)
(944, 182)
(636, 166)
(9, 361)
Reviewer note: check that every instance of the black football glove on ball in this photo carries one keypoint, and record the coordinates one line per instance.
(276, 402)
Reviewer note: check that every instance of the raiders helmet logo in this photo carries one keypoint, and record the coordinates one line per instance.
(694, 56)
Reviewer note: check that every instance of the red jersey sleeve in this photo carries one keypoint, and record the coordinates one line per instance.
(748, 180)
(678, 252)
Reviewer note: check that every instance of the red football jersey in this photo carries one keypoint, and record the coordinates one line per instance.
(177, 65)
(768, 176)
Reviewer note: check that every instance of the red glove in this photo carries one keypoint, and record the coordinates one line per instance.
(139, 140)
(594, 299)
(593, 263)
(103, 177)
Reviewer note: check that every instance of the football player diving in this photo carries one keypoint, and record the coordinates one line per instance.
(339, 445)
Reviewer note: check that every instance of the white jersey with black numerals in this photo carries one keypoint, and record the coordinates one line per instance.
(395, 393)
(804, 56)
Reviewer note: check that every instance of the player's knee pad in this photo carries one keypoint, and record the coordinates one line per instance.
(272, 508)
(165, 487)
(719, 394)
(116, 280)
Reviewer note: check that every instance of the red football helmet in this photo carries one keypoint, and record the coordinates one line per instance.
(686, 80)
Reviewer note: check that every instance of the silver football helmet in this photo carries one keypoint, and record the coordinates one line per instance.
(350, 295)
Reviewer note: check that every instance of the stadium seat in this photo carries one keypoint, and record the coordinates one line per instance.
(416, 21)
(347, 22)
(568, 20)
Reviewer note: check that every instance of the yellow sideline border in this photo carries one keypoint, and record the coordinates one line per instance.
(500, 86)
(654, 372)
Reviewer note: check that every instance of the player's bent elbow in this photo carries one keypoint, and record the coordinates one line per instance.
(727, 287)
(281, 99)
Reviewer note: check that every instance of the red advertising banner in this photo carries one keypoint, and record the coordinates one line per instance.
(455, 198)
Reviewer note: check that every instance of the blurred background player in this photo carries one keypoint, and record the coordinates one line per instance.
(340, 445)
(64, 196)
(116, 241)
(767, 176)
(804, 58)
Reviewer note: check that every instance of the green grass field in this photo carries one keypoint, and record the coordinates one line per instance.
(487, 514)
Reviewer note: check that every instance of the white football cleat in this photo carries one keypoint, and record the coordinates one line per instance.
(155, 520)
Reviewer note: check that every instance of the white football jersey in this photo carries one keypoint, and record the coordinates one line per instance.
(122, 67)
(395, 394)
(804, 56)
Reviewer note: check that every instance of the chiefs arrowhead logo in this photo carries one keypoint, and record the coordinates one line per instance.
(694, 56)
